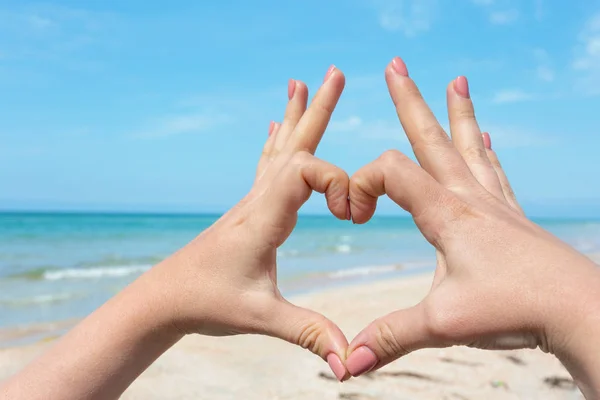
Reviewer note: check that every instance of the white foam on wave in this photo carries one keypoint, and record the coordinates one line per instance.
(363, 271)
(39, 300)
(96, 272)
(343, 248)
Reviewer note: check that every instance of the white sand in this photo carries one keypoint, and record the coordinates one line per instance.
(252, 367)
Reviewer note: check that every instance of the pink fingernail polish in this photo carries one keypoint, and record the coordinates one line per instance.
(329, 72)
(291, 88)
(360, 361)
(336, 366)
(461, 86)
(271, 126)
(399, 66)
(487, 140)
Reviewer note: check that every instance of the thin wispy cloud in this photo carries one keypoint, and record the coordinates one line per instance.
(183, 124)
(544, 70)
(499, 14)
(369, 129)
(506, 137)
(504, 17)
(410, 17)
(52, 32)
(587, 61)
(512, 96)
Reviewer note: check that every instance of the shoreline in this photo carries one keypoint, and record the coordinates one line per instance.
(316, 284)
(257, 367)
(305, 287)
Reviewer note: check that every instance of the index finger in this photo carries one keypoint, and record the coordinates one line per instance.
(431, 145)
(312, 125)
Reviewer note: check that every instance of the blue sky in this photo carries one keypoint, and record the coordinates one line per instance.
(156, 106)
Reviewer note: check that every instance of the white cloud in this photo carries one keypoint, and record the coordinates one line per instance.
(513, 137)
(183, 124)
(502, 136)
(349, 124)
(504, 17)
(411, 17)
(544, 71)
(512, 96)
(587, 61)
(375, 129)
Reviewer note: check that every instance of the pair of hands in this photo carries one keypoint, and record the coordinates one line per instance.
(501, 281)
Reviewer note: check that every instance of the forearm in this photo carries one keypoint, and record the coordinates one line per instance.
(579, 351)
(106, 352)
(582, 360)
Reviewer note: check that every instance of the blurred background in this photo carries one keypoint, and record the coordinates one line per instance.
(128, 127)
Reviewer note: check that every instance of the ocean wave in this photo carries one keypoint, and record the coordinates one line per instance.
(38, 300)
(364, 271)
(95, 273)
(343, 248)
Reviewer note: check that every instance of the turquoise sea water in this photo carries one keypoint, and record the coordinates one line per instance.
(56, 266)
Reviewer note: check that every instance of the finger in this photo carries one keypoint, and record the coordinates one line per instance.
(434, 150)
(312, 331)
(466, 136)
(408, 185)
(509, 194)
(304, 174)
(276, 128)
(298, 97)
(312, 125)
(389, 338)
(267, 152)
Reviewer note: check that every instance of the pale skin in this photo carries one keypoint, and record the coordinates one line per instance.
(501, 281)
(222, 283)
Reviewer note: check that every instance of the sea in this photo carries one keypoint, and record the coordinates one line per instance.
(60, 266)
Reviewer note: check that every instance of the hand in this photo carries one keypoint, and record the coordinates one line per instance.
(225, 281)
(503, 282)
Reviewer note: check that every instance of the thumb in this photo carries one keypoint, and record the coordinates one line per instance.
(389, 338)
(310, 330)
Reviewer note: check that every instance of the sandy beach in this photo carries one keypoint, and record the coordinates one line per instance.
(251, 367)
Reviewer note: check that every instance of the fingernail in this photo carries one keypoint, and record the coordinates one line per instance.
(360, 361)
(336, 366)
(271, 126)
(329, 72)
(461, 86)
(399, 66)
(291, 88)
(487, 140)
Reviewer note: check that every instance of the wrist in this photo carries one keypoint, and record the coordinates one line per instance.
(574, 334)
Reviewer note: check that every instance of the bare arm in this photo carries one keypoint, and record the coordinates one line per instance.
(222, 283)
(100, 357)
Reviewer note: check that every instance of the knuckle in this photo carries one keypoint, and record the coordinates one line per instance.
(392, 157)
(387, 341)
(310, 332)
(467, 113)
(432, 133)
(323, 107)
(301, 158)
(475, 153)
